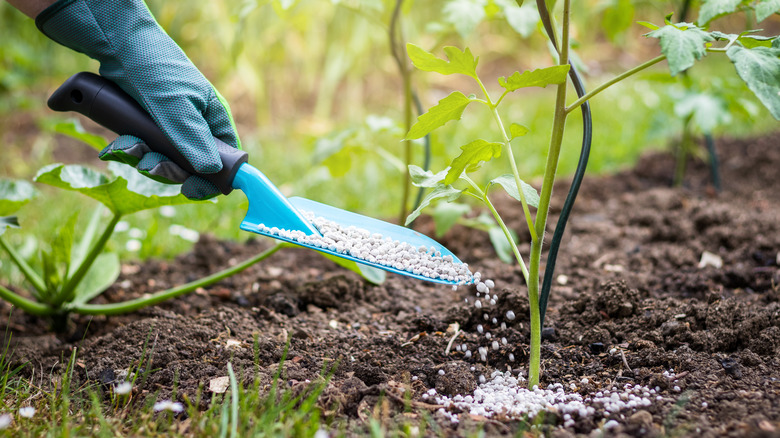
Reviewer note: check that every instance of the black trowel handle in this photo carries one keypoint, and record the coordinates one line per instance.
(105, 103)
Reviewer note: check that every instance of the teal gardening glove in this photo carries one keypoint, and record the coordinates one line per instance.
(135, 53)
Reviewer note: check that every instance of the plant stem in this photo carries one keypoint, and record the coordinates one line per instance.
(28, 272)
(29, 306)
(613, 81)
(483, 196)
(396, 40)
(511, 157)
(67, 292)
(138, 303)
(553, 154)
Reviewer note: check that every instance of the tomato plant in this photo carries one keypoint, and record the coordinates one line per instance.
(756, 59)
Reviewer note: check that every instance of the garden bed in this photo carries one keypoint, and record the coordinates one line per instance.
(631, 305)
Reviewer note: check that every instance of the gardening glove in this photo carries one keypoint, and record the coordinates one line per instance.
(135, 53)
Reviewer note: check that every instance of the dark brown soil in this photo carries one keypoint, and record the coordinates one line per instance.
(630, 303)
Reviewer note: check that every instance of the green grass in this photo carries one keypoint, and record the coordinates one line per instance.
(63, 409)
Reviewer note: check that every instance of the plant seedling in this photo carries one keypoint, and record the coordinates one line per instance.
(682, 44)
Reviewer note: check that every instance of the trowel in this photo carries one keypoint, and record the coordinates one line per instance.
(105, 103)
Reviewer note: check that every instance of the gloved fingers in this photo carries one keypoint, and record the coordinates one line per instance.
(220, 120)
(126, 149)
(161, 169)
(198, 188)
(191, 136)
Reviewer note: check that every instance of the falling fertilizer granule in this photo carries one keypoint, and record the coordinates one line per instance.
(505, 395)
(375, 248)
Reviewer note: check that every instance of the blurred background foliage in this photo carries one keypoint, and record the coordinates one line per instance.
(319, 100)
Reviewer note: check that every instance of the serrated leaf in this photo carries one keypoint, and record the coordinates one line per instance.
(682, 45)
(446, 214)
(760, 69)
(464, 15)
(14, 194)
(72, 128)
(128, 193)
(102, 274)
(8, 222)
(447, 192)
(517, 130)
(541, 77)
(426, 178)
(508, 183)
(501, 245)
(458, 61)
(766, 8)
(711, 9)
(449, 108)
(472, 157)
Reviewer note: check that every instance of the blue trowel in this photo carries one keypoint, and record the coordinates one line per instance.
(105, 103)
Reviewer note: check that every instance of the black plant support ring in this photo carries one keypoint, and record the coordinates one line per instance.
(579, 174)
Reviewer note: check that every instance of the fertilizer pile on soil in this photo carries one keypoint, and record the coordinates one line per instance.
(506, 395)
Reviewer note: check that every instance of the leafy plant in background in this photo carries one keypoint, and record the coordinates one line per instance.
(75, 269)
(682, 44)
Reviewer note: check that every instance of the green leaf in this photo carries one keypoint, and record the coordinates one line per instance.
(102, 274)
(449, 108)
(682, 44)
(537, 78)
(706, 111)
(57, 259)
(446, 214)
(464, 15)
(472, 157)
(72, 128)
(501, 245)
(128, 193)
(648, 25)
(711, 9)
(86, 240)
(508, 183)
(14, 194)
(8, 222)
(523, 18)
(426, 178)
(517, 130)
(760, 69)
(448, 192)
(766, 8)
(461, 62)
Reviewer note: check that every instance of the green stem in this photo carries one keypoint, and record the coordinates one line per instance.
(28, 272)
(613, 81)
(553, 155)
(29, 306)
(396, 40)
(511, 157)
(138, 303)
(68, 291)
(508, 235)
(482, 196)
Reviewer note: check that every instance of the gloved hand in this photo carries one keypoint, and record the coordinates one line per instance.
(137, 54)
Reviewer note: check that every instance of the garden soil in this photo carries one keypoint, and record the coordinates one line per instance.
(632, 303)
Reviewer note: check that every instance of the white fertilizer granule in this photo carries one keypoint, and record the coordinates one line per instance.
(505, 395)
(375, 248)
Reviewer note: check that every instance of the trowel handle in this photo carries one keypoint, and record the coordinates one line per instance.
(105, 103)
